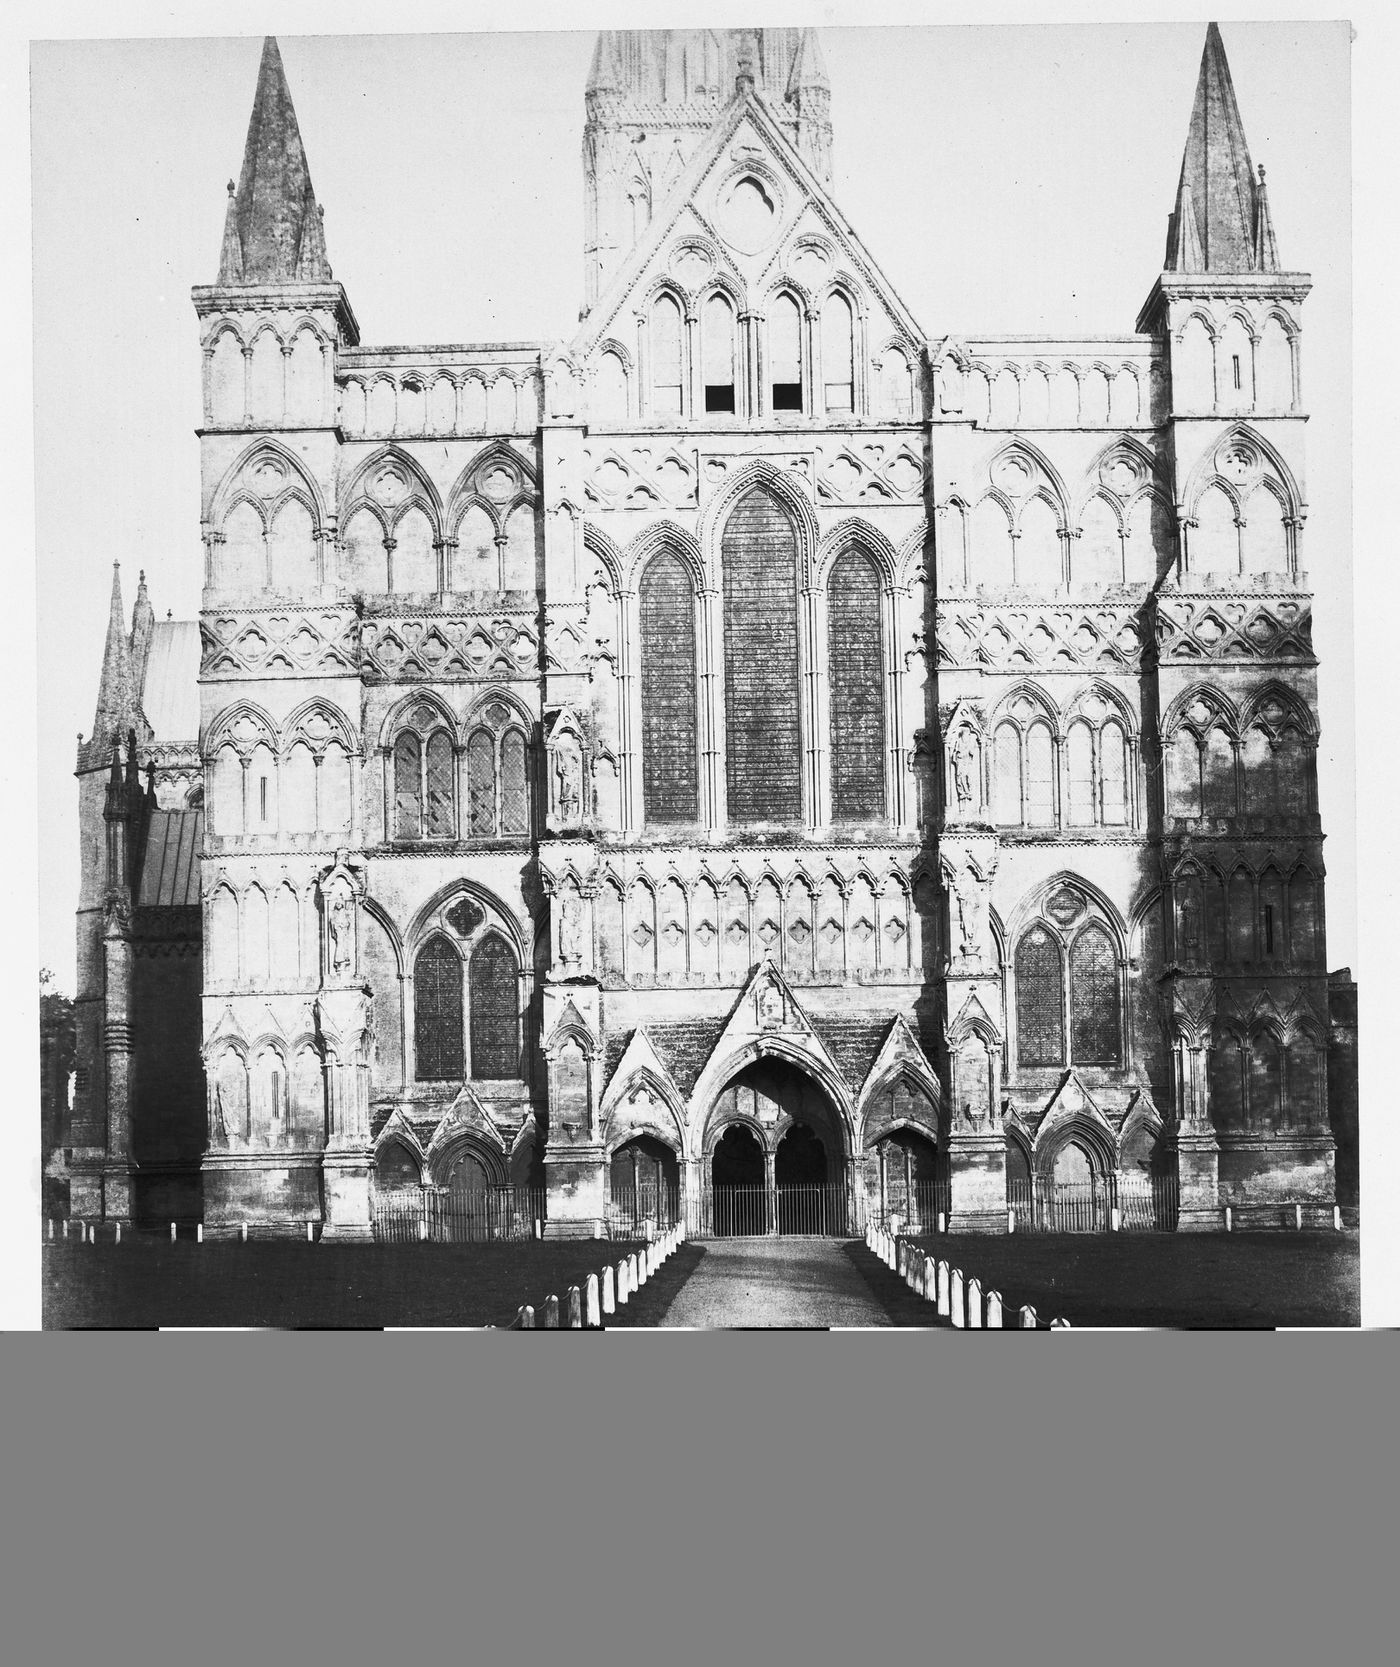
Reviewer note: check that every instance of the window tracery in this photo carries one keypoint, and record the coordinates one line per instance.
(1068, 985)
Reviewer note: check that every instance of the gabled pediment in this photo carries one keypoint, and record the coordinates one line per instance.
(1072, 1099)
(768, 1020)
(466, 1114)
(746, 215)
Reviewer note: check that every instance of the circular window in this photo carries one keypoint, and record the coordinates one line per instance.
(748, 215)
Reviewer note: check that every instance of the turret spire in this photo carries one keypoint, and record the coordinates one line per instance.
(1219, 220)
(273, 233)
(115, 694)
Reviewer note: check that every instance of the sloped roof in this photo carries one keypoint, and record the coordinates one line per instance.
(170, 693)
(170, 863)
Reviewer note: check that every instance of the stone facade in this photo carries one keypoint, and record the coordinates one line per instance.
(754, 712)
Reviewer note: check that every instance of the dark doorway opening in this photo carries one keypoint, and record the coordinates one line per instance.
(644, 1188)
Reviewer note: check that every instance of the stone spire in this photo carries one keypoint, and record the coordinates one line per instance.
(273, 233)
(116, 695)
(143, 621)
(1217, 219)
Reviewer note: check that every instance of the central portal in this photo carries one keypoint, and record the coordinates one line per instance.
(775, 1159)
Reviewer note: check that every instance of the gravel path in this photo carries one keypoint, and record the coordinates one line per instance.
(775, 1283)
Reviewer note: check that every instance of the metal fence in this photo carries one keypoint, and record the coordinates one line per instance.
(1145, 1204)
(643, 1211)
(914, 1215)
(814, 1210)
(407, 1215)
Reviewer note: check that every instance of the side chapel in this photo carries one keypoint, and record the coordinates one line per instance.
(754, 738)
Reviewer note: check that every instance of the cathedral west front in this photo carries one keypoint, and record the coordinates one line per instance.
(758, 760)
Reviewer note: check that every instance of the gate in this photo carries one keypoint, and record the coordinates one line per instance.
(1145, 1204)
(817, 1209)
(642, 1211)
(408, 1215)
(919, 1212)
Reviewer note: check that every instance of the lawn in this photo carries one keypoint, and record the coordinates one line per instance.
(152, 1282)
(647, 1307)
(1197, 1281)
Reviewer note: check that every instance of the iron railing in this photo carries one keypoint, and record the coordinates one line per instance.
(813, 1210)
(916, 1214)
(643, 1211)
(407, 1215)
(1145, 1204)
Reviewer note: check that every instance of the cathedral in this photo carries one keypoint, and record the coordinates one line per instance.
(757, 761)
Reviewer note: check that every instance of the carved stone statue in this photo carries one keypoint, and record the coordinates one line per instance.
(571, 929)
(567, 793)
(338, 905)
(964, 770)
(972, 913)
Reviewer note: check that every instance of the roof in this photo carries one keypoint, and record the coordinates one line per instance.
(170, 693)
(170, 864)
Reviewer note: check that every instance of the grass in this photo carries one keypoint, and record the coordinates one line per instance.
(152, 1282)
(1189, 1281)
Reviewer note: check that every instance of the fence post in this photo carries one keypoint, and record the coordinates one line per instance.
(1115, 1218)
(636, 1271)
(1298, 1217)
(1336, 1218)
(622, 1292)
(1028, 1319)
(538, 1233)
(311, 1232)
(575, 1309)
(957, 1300)
(943, 1284)
(65, 1226)
(527, 1318)
(592, 1312)
(994, 1320)
(118, 1238)
(243, 1231)
(974, 1304)
(930, 1282)
(551, 1312)
(942, 1221)
(1059, 1325)
(1010, 1218)
(609, 1292)
(1229, 1218)
(172, 1232)
(199, 1232)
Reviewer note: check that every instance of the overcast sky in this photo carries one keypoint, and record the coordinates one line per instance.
(1006, 179)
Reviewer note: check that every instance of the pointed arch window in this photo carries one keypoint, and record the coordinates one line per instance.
(717, 351)
(424, 786)
(785, 354)
(763, 751)
(498, 798)
(838, 354)
(667, 356)
(442, 820)
(1040, 1000)
(495, 1010)
(437, 1012)
(855, 658)
(670, 772)
(408, 794)
(1097, 1034)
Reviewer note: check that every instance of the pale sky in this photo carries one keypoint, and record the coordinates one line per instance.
(1006, 179)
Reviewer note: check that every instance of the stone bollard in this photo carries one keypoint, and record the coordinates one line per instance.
(636, 1271)
(622, 1289)
(575, 1308)
(539, 1231)
(994, 1320)
(956, 1300)
(65, 1226)
(974, 1304)
(551, 1313)
(1059, 1325)
(243, 1231)
(942, 1221)
(118, 1238)
(592, 1311)
(49, 1228)
(199, 1232)
(944, 1299)
(311, 1231)
(929, 1290)
(609, 1292)
(527, 1318)
(1298, 1217)
(1028, 1319)
(1011, 1218)
(1115, 1219)
(1336, 1218)
(172, 1232)
(914, 1267)
(1229, 1218)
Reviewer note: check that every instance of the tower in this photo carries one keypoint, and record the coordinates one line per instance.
(653, 95)
(1245, 985)
(284, 1023)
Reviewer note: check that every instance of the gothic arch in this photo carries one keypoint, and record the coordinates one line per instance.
(1038, 698)
(1031, 908)
(467, 486)
(719, 1072)
(386, 923)
(1113, 698)
(396, 718)
(220, 731)
(913, 549)
(662, 535)
(448, 1144)
(1204, 474)
(1295, 708)
(790, 494)
(1087, 1128)
(617, 1093)
(318, 706)
(495, 695)
(502, 920)
(231, 491)
(1058, 497)
(856, 533)
(422, 493)
(597, 542)
(1222, 708)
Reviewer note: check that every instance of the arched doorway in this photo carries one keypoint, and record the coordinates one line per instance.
(472, 1204)
(913, 1180)
(644, 1187)
(775, 1156)
(1075, 1194)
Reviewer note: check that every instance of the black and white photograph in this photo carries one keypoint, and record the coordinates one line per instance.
(713, 678)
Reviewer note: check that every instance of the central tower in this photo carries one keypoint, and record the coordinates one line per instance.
(653, 95)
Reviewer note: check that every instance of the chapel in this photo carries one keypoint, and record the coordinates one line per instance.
(765, 759)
